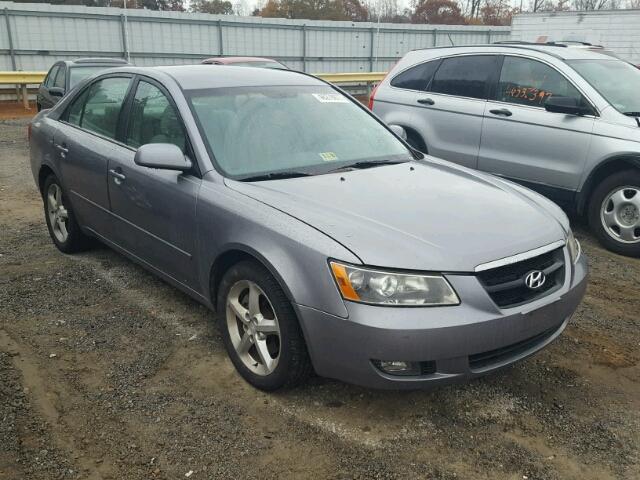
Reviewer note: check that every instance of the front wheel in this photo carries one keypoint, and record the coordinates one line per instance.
(614, 212)
(260, 328)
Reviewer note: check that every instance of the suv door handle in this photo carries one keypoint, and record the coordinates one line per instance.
(501, 111)
(118, 177)
(426, 101)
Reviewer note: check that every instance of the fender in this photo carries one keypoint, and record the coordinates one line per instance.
(603, 169)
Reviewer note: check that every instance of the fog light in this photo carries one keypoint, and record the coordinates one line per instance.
(398, 367)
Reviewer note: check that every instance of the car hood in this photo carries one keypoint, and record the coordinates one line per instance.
(418, 216)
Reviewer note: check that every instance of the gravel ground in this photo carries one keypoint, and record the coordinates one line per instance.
(108, 373)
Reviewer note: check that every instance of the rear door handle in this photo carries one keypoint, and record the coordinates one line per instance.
(501, 111)
(118, 177)
(426, 101)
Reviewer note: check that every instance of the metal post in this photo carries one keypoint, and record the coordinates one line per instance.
(125, 38)
(14, 65)
(373, 31)
(25, 97)
(489, 36)
(12, 53)
(304, 47)
(220, 41)
(434, 32)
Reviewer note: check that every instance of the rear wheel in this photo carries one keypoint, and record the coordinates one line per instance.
(614, 212)
(61, 221)
(260, 328)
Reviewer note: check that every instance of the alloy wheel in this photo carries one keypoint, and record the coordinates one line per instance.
(620, 214)
(58, 213)
(253, 327)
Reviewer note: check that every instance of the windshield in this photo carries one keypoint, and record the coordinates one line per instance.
(617, 81)
(78, 73)
(311, 129)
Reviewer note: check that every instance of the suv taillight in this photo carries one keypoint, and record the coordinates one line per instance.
(375, 89)
(371, 97)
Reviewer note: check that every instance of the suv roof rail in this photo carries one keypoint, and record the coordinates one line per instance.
(573, 42)
(118, 61)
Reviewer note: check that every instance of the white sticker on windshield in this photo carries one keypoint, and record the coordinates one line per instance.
(330, 98)
(328, 156)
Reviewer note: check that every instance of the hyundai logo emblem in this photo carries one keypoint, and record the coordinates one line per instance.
(535, 279)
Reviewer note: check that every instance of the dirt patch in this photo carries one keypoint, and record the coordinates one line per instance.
(11, 110)
(108, 373)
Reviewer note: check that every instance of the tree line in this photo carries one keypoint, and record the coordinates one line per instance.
(445, 12)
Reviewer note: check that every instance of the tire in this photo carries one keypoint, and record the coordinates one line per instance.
(74, 241)
(614, 213)
(289, 360)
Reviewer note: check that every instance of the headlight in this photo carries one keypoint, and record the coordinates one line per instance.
(574, 247)
(365, 285)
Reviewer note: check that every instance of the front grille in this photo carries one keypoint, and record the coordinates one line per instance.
(506, 285)
(483, 360)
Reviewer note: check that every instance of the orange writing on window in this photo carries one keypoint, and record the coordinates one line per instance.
(531, 95)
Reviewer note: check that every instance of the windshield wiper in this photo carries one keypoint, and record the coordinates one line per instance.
(274, 176)
(633, 114)
(367, 164)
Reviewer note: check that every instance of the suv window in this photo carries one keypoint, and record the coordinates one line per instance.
(153, 119)
(416, 78)
(60, 78)
(530, 82)
(51, 76)
(98, 108)
(465, 76)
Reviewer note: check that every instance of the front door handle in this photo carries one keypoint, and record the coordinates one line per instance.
(118, 177)
(426, 101)
(501, 111)
(63, 149)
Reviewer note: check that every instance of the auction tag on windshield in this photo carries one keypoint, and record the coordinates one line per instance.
(328, 156)
(330, 98)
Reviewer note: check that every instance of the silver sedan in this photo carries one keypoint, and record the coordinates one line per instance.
(323, 241)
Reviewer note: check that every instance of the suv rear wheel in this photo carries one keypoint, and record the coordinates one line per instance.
(614, 212)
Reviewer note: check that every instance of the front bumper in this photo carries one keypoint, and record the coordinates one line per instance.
(459, 342)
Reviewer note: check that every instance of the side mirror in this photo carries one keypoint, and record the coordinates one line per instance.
(165, 156)
(56, 92)
(568, 105)
(399, 131)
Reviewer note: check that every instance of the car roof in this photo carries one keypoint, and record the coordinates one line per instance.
(97, 61)
(229, 60)
(194, 77)
(559, 51)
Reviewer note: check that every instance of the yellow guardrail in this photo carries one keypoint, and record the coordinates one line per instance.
(360, 77)
(35, 78)
(21, 78)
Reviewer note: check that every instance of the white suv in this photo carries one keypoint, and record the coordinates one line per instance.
(562, 121)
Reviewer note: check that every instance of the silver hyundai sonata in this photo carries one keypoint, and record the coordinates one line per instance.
(321, 239)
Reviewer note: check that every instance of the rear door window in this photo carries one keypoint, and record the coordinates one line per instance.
(51, 77)
(465, 76)
(98, 108)
(59, 81)
(417, 77)
(153, 119)
(528, 82)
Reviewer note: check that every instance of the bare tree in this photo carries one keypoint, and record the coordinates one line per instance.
(591, 4)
